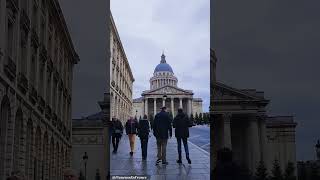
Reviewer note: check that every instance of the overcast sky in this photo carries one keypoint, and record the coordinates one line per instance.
(273, 46)
(181, 28)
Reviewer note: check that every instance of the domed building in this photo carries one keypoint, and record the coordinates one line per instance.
(164, 91)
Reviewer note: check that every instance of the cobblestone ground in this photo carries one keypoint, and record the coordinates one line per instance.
(123, 164)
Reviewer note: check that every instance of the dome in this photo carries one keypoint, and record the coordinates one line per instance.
(163, 66)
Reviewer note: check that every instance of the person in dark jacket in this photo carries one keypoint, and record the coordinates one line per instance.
(143, 133)
(181, 124)
(162, 129)
(117, 130)
(131, 130)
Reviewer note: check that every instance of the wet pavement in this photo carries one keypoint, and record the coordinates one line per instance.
(123, 164)
(200, 136)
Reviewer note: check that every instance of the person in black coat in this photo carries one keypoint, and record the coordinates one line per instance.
(143, 133)
(162, 129)
(131, 130)
(117, 130)
(181, 124)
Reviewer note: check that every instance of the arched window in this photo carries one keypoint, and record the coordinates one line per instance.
(29, 149)
(51, 160)
(18, 140)
(38, 158)
(45, 152)
(4, 116)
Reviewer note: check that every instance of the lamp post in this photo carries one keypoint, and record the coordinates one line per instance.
(164, 99)
(85, 160)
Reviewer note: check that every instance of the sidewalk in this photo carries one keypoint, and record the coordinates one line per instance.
(122, 164)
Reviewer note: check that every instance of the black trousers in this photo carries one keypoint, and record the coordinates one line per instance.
(144, 146)
(115, 142)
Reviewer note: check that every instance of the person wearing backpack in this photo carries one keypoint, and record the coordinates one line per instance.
(143, 133)
(117, 130)
(181, 124)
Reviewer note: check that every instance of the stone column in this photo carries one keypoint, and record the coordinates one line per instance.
(180, 105)
(255, 143)
(172, 106)
(227, 131)
(154, 106)
(146, 106)
(263, 138)
(189, 107)
(143, 108)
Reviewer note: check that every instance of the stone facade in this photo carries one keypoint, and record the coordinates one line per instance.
(36, 65)
(164, 91)
(241, 124)
(88, 136)
(91, 134)
(121, 78)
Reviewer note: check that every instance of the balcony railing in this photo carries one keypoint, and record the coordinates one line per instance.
(25, 21)
(23, 83)
(10, 69)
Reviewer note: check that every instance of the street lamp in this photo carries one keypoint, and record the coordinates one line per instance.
(164, 99)
(85, 160)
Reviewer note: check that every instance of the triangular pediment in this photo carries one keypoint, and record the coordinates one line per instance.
(223, 92)
(167, 90)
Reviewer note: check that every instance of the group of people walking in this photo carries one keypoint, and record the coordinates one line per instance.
(162, 130)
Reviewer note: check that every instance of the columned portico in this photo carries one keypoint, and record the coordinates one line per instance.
(164, 91)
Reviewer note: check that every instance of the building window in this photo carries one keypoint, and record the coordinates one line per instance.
(48, 87)
(18, 140)
(35, 17)
(29, 149)
(42, 30)
(10, 40)
(5, 118)
(25, 6)
(33, 67)
(23, 53)
(41, 79)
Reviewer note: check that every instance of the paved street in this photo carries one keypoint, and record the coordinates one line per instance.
(200, 136)
(123, 164)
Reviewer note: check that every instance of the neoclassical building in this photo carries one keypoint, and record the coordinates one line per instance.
(91, 134)
(121, 77)
(37, 58)
(164, 91)
(241, 124)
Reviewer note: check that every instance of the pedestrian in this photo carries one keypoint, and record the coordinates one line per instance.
(143, 133)
(181, 124)
(117, 131)
(69, 174)
(131, 130)
(162, 129)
